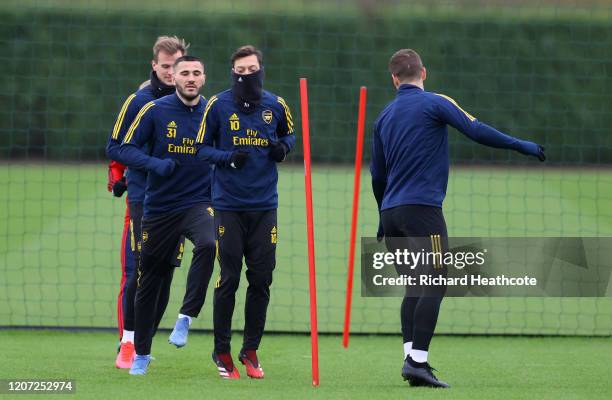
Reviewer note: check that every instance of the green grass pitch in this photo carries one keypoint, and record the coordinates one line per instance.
(477, 368)
(59, 249)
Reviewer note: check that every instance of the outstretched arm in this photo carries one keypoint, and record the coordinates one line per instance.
(452, 114)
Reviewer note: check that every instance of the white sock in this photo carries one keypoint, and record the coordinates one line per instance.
(128, 336)
(185, 316)
(419, 356)
(407, 348)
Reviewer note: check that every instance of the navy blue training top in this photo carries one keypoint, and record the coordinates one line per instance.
(410, 154)
(225, 129)
(136, 179)
(169, 128)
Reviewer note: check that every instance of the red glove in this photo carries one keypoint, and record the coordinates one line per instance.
(115, 173)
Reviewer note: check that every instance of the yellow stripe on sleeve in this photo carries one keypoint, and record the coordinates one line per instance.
(287, 114)
(467, 114)
(202, 130)
(121, 115)
(130, 132)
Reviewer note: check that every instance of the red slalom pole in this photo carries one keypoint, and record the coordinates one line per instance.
(314, 333)
(351, 262)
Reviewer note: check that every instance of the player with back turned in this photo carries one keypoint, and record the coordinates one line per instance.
(245, 132)
(177, 197)
(161, 83)
(410, 166)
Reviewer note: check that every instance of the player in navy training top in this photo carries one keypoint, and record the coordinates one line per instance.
(409, 167)
(177, 201)
(161, 83)
(245, 132)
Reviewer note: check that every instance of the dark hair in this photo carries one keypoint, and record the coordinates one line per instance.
(188, 58)
(246, 51)
(406, 65)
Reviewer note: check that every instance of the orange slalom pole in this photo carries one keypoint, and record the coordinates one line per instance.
(314, 335)
(351, 262)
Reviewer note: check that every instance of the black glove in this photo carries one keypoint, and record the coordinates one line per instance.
(541, 156)
(238, 159)
(278, 151)
(119, 187)
(532, 149)
(380, 235)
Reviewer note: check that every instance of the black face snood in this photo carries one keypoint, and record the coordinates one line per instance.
(248, 89)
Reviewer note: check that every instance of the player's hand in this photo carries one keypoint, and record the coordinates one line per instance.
(380, 235)
(541, 156)
(119, 187)
(238, 159)
(533, 149)
(164, 167)
(278, 151)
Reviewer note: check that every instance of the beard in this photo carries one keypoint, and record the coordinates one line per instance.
(185, 95)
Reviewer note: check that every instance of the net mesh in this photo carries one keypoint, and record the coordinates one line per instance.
(538, 70)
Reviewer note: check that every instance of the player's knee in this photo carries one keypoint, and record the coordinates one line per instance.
(152, 264)
(262, 279)
(146, 259)
(229, 282)
(205, 245)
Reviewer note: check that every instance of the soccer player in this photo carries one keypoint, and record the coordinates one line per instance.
(177, 197)
(245, 132)
(409, 167)
(161, 83)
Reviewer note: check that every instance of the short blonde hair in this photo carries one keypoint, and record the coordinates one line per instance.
(170, 45)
